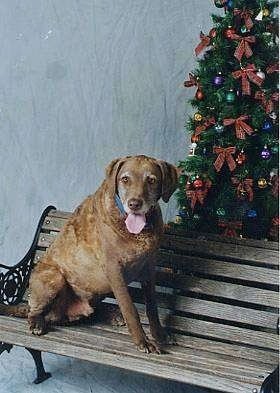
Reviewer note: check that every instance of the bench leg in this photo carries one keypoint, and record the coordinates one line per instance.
(5, 347)
(41, 373)
(271, 383)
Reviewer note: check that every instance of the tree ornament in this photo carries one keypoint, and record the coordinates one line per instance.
(273, 116)
(244, 29)
(266, 12)
(198, 183)
(199, 95)
(252, 213)
(229, 4)
(275, 149)
(230, 96)
(267, 126)
(197, 117)
(193, 146)
(218, 80)
(182, 179)
(265, 153)
(213, 33)
(229, 32)
(260, 15)
(241, 158)
(262, 183)
(204, 151)
(182, 214)
(192, 178)
(260, 74)
(221, 212)
(220, 3)
(219, 128)
(177, 219)
(195, 138)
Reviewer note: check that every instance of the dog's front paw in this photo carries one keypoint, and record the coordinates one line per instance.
(148, 346)
(162, 337)
(37, 325)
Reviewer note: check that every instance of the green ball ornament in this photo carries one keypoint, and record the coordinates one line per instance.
(221, 212)
(243, 29)
(219, 3)
(230, 96)
(192, 178)
(275, 149)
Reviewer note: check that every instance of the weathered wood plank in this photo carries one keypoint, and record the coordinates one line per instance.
(228, 250)
(222, 332)
(205, 308)
(60, 213)
(66, 338)
(197, 236)
(53, 223)
(220, 268)
(219, 289)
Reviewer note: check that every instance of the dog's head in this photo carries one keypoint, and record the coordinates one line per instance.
(141, 181)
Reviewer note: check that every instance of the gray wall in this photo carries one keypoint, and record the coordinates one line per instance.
(83, 82)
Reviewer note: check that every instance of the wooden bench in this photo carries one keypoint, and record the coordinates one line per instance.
(219, 296)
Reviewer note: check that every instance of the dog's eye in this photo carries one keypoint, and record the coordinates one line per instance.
(124, 179)
(151, 180)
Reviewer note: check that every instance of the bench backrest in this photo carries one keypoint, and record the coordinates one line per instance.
(210, 287)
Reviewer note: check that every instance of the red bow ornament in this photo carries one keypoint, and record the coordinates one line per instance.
(204, 42)
(247, 73)
(240, 126)
(230, 227)
(267, 103)
(206, 124)
(243, 47)
(198, 195)
(244, 185)
(224, 155)
(246, 15)
(272, 68)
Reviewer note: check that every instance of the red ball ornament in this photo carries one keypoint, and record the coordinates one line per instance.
(241, 158)
(198, 183)
(199, 95)
(195, 138)
(229, 31)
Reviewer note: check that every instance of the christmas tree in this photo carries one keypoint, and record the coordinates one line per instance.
(229, 180)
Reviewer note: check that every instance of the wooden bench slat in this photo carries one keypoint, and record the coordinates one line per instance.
(222, 239)
(229, 333)
(232, 251)
(219, 289)
(199, 307)
(84, 340)
(217, 268)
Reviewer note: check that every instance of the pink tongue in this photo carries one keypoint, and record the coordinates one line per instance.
(135, 222)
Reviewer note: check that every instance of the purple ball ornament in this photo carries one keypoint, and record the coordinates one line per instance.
(265, 153)
(218, 80)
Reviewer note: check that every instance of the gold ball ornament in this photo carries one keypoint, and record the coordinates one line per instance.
(266, 12)
(197, 117)
(177, 220)
(262, 183)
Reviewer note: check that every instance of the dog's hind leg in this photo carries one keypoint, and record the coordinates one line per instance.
(45, 283)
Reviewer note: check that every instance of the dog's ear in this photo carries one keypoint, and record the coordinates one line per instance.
(112, 171)
(170, 176)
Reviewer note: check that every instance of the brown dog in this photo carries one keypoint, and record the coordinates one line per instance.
(110, 240)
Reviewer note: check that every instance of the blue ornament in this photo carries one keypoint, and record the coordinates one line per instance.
(267, 126)
(182, 214)
(252, 213)
(229, 4)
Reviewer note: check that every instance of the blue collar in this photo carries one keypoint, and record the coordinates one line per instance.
(123, 212)
(120, 204)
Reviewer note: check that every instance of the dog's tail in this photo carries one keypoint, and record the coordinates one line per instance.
(20, 310)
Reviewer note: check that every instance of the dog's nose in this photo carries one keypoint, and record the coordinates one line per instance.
(135, 204)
